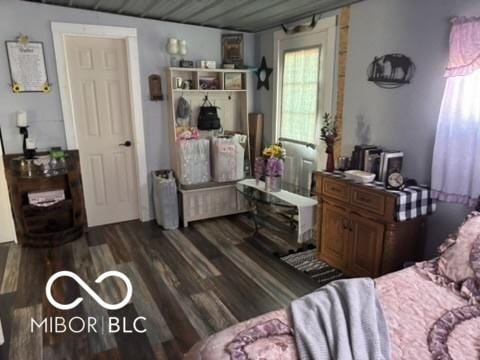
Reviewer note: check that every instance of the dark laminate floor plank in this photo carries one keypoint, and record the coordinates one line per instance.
(31, 278)
(119, 248)
(253, 270)
(23, 344)
(7, 302)
(298, 282)
(95, 236)
(191, 254)
(9, 280)
(208, 250)
(188, 280)
(240, 293)
(3, 258)
(273, 239)
(157, 328)
(132, 345)
(194, 316)
(218, 315)
(112, 354)
(188, 284)
(173, 350)
(63, 345)
(112, 290)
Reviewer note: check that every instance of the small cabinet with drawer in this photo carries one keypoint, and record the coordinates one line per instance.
(357, 231)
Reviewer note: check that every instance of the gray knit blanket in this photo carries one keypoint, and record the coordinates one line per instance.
(341, 321)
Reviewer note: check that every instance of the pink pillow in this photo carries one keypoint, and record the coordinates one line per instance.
(454, 262)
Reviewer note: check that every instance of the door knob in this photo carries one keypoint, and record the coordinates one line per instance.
(127, 143)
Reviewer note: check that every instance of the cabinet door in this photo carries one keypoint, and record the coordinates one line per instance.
(334, 232)
(365, 246)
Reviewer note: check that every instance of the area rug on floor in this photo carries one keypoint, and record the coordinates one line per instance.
(307, 262)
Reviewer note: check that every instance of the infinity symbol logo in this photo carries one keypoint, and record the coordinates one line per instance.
(88, 289)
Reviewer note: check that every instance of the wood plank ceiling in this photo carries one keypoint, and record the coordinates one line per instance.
(240, 15)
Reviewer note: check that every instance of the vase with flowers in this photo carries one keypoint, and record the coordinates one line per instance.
(272, 168)
(329, 135)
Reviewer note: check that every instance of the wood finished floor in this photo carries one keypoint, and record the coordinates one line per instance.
(188, 283)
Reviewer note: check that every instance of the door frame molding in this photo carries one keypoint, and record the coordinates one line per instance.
(328, 25)
(9, 233)
(61, 31)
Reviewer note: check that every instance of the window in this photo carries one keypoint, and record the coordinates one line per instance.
(299, 95)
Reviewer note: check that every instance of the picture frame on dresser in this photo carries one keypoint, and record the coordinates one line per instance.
(390, 161)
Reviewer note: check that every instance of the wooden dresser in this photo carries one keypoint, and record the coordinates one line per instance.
(357, 230)
(53, 225)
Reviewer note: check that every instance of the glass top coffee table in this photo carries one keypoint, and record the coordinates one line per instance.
(265, 203)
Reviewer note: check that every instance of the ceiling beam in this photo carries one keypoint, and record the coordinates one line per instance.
(239, 6)
(206, 8)
(97, 4)
(152, 6)
(334, 6)
(124, 6)
(256, 10)
(172, 11)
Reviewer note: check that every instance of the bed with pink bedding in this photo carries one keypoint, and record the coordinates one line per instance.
(432, 310)
(411, 304)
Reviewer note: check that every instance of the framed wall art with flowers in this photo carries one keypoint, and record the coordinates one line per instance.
(26, 60)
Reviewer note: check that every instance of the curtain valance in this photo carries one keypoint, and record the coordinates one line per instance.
(464, 56)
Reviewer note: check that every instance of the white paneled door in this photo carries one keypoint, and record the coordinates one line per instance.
(304, 90)
(98, 77)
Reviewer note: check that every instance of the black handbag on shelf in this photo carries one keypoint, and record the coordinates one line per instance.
(208, 117)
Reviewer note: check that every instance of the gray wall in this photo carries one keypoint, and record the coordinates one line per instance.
(403, 118)
(44, 111)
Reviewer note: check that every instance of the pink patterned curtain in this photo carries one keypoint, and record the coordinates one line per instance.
(456, 154)
(464, 56)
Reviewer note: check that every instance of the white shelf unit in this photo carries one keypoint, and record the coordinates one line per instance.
(211, 199)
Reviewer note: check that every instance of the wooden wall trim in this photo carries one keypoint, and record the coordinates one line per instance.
(344, 25)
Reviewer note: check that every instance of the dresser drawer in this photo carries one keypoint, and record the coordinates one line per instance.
(368, 200)
(337, 189)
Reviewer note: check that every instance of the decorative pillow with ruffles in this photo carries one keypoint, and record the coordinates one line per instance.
(454, 262)
(458, 261)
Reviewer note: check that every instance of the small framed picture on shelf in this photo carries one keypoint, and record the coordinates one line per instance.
(208, 83)
(232, 49)
(233, 81)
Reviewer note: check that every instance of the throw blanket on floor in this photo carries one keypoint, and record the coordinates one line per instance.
(341, 321)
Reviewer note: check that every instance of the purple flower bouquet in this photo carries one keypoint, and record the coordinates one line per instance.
(259, 168)
(274, 167)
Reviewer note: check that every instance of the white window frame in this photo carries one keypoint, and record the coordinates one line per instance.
(327, 71)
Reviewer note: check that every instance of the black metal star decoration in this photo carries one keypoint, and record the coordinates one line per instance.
(263, 74)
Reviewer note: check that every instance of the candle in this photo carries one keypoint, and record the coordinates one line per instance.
(30, 144)
(22, 119)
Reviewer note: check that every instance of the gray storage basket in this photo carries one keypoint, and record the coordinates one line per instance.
(165, 199)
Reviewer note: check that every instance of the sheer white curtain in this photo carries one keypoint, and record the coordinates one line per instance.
(300, 95)
(456, 157)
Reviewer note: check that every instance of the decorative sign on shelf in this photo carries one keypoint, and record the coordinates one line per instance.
(391, 71)
(27, 66)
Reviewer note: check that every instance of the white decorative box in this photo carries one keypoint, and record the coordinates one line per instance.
(207, 64)
(46, 198)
